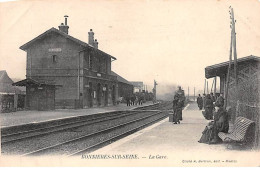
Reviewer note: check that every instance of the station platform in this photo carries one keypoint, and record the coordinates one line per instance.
(25, 117)
(168, 144)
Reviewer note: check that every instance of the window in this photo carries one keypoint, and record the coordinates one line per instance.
(54, 59)
(99, 64)
(105, 59)
(90, 61)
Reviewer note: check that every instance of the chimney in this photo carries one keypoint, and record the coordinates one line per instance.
(91, 38)
(96, 44)
(64, 28)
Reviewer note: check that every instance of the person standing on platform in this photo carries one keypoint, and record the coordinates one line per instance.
(140, 99)
(209, 107)
(212, 97)
(200, 102)
(136, 99)
(127, 100)
(220, 101)
(181, 101)
(133, 99)
(176, 112)
(203, 99)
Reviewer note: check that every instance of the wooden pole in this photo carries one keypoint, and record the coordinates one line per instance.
(212, 85)
(228, 73)
(205, 86)
(215, 86)
(234, 45)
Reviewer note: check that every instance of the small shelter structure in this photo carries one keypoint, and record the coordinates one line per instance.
(243, 100)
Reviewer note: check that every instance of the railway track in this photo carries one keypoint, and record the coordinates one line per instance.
(167, 105)
(54, 127)
(90, 142)
(78, 135)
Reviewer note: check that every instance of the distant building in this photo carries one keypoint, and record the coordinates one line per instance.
(138, 86)
(64, 72)
(244, 102)
(11, 98)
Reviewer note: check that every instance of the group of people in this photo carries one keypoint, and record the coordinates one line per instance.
(214, 110)
(178, 104)
(134, 99)
(208, 102)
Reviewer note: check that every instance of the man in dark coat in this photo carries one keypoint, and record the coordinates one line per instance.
(200, 102)
(212, 97)
(133, 99)
(181, 97)
(220, 101)
(127, 99)
(209, 107)
(204, 99)
(176, 115)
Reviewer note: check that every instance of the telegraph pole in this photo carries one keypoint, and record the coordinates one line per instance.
(205, 86)
(215, 85)
(232, 47)
(228, 73)
(233, 32)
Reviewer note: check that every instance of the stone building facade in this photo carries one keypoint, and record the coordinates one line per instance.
(79, 71)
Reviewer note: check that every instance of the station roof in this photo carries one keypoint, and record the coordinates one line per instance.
(29, 82)
(82, 43)
(120, 79)
(221, 68)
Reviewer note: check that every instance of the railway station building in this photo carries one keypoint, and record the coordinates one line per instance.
(65, 72)
(243, 101)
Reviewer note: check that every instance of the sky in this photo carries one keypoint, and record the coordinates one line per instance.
(170, 41)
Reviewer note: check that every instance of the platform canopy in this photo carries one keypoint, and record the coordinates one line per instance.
(32, 82)
(222, 68)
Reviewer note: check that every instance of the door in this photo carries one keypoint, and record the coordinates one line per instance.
(90, 98)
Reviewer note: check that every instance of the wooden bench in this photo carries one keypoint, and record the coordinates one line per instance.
(241, 133)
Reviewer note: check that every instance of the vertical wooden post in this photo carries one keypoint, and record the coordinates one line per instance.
(234, 44)
(205, 86)
(212, 85)
(228, 73)
(215, 86)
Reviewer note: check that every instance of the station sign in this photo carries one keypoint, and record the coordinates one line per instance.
(54, 50)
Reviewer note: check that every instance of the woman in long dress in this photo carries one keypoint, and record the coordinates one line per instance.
(209, 107)
(176, 111)
(220, 124)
